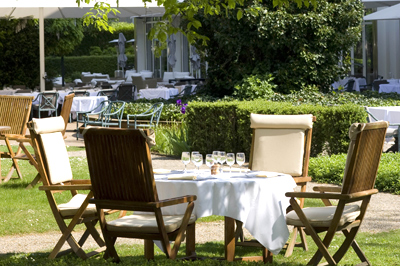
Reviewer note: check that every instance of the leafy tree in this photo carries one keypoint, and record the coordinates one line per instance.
(299, 46)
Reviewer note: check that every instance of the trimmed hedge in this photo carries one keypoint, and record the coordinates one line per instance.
(105, 64)
(226, 125)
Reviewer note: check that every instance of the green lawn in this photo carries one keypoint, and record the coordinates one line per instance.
(27, 211)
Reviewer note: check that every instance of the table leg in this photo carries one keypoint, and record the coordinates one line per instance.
(229, 239)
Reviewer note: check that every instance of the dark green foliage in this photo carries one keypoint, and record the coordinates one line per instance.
(226, 125)
(300, 46)
(330, 169)
(105, 64)
(19, 53)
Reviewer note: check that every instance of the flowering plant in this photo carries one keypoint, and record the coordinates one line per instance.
(182, 105)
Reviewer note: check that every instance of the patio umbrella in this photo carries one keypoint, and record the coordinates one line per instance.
(172, 48)
(195, 58)
(121, 48)
(389, 13)
(41, 9)
(379, 3)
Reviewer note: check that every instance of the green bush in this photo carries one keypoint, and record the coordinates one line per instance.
(170, 112)
(255, 87)
(225, 125)
(330, 169)
(105, 64)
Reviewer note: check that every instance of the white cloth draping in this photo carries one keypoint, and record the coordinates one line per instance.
(128, 75)
(357, 83)
(388, 88)
(164, 93)
(260, 203)
(84, 104)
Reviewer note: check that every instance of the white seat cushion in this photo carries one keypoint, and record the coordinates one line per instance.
(146, 223)
(322, 216)
(70, 208)
(48, 125)
(392, 131)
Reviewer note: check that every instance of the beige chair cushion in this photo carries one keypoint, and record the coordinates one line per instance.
(70, 208)
(56, 156)
(281, 121)
(48, 125)
(146, 223)
(278, 150)
(322, 216)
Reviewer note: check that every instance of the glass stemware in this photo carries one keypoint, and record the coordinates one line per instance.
(197, 159)
(230, 160)
(185, 158)
(215, 155)
(240, 158)
(209, 160)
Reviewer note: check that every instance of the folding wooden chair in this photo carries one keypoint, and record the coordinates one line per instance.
(55, 171)
(281, 143)
(365, 150)
(122, 179)
(66, 110)
(14, 112)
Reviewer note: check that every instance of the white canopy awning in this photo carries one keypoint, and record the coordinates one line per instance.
(389, 13)
(41, 9)
(379, 3)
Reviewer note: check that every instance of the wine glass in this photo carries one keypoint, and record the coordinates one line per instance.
(240, 158)
(215, 155)
(197, 159)
(193, 153)
(209, 160)
(185, 158)
(222, 158)
(230, 160)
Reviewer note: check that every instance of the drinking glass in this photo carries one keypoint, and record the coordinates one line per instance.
(209, 160)
(222, 158)
(193, 153)
(240, 158)
(197, 159)
(230, 160)
(185, 158)
(215, 155)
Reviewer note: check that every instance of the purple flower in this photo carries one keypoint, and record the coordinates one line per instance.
(179, 102)
(183, 109)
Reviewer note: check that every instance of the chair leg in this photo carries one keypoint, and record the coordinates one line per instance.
(191, 240)
(350, 241)
(148, 249)
(14, 165)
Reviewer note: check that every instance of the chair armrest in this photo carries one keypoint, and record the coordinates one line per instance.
(315, 195)
(174, 201)
(327, 189)
(81, 181)
(66, 187)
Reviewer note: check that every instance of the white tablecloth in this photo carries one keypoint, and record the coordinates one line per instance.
(387, 88)
(84, 104)
(357, 83)
(260, 203)
(164, 93)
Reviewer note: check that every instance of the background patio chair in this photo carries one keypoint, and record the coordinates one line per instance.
(55, 171)
(48, 102)
(92, 117)
(126, 92)
(112, 116)
(282, 143)
(66, 110)
(111, 94)
(365, 150)
(152, 114)
(132, 188)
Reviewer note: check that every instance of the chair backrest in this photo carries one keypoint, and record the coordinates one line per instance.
(14, 112)
(363, 157)
(157, 110)
(126, 92)
(86, 79)
(80, 93)
(105, 86)
(187, 91)
(23, 87)
(111, 94)
(124, 155)
(281, 143)
(23, 91)
(66, 109)
(376, 83)
(138, 82)
(48, 100)
(51, 153)
(349, 86)
(115, 109)
(151, 83)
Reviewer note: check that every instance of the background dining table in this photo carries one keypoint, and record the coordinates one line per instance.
(259, 202)
(155, 93)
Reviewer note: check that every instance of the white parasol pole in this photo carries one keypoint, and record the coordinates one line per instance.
(41, 49)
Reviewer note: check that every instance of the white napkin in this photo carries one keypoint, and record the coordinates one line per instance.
(182, 177)
(263, 174)
(226, 169)
(161, 171)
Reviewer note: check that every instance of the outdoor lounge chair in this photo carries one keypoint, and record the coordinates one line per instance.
(55, 170)
(282, 143)
(365, 150)
(66, 110)
(122, 179)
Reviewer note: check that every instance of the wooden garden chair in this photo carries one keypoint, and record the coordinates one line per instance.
(281, 143)
(122, 179)
(55, 171)
(14, 112)
(65, 111)
(365, 150)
